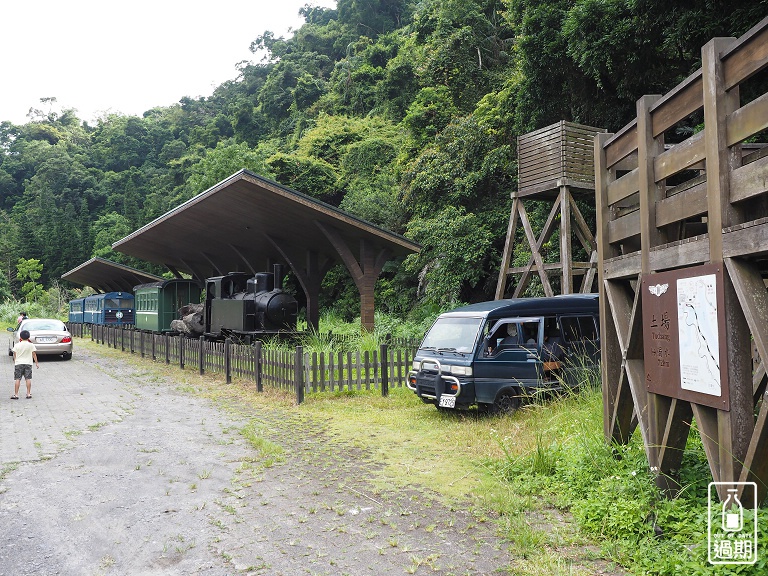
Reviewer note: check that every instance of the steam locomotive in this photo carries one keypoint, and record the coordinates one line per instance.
(241, 306)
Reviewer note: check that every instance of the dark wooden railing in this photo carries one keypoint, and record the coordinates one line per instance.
(288, 369)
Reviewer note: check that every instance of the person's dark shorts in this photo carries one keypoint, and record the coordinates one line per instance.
(20, 370)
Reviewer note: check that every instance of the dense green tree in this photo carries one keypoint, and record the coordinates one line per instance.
(221, 162)
(107, 230)
(29, 271)
(306, 174)
(590, 60)
(452, 264)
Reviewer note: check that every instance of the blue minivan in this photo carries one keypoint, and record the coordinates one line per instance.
(494, 354)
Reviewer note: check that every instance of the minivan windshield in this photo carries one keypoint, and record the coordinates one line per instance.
(453, 334)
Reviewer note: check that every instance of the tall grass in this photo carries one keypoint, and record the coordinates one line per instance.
(609, 489)
(337, 335)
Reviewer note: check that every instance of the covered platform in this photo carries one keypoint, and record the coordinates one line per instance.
(107, 276)
(246, 223)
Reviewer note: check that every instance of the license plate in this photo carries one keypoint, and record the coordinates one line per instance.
(45, 339)
(447, 402)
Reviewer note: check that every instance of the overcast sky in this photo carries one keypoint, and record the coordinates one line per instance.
(130, 56)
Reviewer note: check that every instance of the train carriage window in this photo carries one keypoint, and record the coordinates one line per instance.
(578, 328)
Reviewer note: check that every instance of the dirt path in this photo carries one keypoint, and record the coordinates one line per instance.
(111, 470)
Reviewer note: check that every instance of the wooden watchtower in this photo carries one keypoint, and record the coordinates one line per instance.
(555, 165)
(683, 248)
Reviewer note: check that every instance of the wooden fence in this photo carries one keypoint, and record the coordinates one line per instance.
(666, 214)
(297, 370)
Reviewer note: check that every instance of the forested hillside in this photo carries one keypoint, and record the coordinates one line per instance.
(404, 113)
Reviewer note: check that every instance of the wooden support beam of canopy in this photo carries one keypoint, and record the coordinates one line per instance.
(310, 268)
(364, 269)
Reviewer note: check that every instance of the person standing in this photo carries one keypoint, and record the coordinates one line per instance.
(24, 354)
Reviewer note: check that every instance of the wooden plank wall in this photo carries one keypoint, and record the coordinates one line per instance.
(663, 207)
(555, 153)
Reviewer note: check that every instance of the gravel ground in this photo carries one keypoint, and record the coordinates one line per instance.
(112, 469)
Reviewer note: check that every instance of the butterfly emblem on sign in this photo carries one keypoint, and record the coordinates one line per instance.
(658, 289)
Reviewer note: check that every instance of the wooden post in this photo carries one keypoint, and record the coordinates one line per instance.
(648, 148)
(735, 426)
(228, 360)
(257, 365)
(201, 358)
(566, 256)
(298, 375)
(506, 256)
(721, 160)
(167, 348)
(611, 354)
(122, 338)
(154, 355)
(383, 359)
(141, 342)
(181, 352)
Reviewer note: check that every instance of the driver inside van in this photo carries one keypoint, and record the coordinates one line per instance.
(499, 342)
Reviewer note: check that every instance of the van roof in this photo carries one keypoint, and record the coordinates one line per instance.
(564, 304)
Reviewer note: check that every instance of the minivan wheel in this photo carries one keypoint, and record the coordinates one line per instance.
(507, 401)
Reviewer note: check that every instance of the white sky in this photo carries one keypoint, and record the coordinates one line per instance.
(100, 55)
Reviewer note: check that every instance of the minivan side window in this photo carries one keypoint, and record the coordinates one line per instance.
(578, 328)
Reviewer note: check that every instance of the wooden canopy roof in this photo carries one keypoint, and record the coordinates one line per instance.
(107, 276)
(246, 223)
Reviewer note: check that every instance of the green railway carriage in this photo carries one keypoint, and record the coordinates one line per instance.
(158, 303)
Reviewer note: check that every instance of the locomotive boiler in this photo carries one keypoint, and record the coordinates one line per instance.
(240, 305)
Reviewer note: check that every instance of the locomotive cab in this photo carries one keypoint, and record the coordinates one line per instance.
(238, 303)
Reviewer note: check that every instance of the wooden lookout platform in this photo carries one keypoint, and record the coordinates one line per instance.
(683, 257)
(555, 165)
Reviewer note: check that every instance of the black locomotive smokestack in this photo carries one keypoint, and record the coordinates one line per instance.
(278, 271)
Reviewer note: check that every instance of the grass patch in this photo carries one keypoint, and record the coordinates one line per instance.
(270, 452)
(567, 502)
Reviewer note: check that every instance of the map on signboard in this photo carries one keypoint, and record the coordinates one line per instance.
(698, 335)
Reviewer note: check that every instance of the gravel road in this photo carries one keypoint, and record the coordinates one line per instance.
(115, 468)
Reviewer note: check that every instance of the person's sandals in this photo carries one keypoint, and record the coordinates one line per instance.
(29, 396)
(14, 397)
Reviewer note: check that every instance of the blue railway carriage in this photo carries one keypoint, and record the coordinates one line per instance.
(76, 310)
(112, 308)
(158, 303)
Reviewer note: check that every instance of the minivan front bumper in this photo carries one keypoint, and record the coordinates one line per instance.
(433, 385)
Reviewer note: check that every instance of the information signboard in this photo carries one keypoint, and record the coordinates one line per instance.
(684, 343)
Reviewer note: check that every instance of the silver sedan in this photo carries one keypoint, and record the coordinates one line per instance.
(49, 336)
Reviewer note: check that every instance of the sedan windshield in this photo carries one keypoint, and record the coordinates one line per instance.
(455, 334)
(44, 325)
